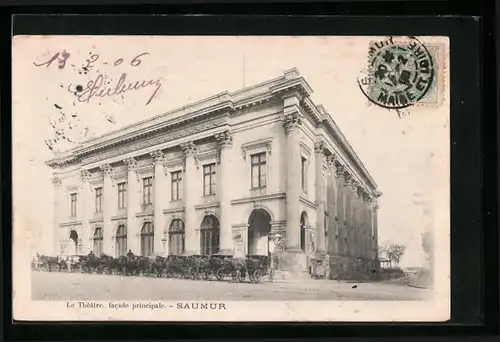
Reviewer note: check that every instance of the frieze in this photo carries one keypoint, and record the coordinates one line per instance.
(156, 139)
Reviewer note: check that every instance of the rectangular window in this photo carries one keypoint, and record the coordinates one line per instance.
(209, 179)
(303, 178)
(147, 188)
(73, 205)
(176, 185)
(122, 195)
(98, 200)
(258, 170)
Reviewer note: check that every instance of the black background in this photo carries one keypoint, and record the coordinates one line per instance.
(474, 234)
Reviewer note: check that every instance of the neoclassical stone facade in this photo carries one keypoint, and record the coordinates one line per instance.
(223, 175)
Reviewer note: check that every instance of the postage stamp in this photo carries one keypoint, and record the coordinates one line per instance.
(150, 184)
(403, 72)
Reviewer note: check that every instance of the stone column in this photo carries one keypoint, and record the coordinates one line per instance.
(319, 148)
(133, 240)
(361, 221)
(340, 218)
(189, 181)
(58, 209)
(108, 193)
(86, 211)
(225, 142)
(292, 123)
(348, 224)
(375, 226)
(158, 203)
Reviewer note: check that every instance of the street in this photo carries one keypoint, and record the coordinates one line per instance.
(77, 286)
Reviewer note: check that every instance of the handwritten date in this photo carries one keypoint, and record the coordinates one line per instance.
(63, 56)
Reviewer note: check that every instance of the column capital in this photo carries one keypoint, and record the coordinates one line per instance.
(360, 191)
(347, 178)
(106, 169)
(85, 175)
(331, 161)
(224, 139)
(339, 170)
(353, 184)
(189, 148)
(131, 163)
(320, 147)
(291, 121)
(367, 198)
(56, 181)
(158, 157)
(375, 206)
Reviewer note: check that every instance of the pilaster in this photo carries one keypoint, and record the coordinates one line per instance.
(158, 204)
(225, 142)
(86, 211)
(292, 122)
(319, 149)
(332, 231)
(56, 181)
(107, 210)
(375, 226)
(190, 193)
(133, 240)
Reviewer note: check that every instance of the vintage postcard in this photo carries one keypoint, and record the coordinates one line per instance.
(231, 178)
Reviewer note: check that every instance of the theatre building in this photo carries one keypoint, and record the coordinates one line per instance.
(225, 175)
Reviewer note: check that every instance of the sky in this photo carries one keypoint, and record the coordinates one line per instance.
(406, 156)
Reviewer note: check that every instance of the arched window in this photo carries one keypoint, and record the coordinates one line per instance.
(176, 237)
(97, 248)
(147, 239)
(209, 235)
(303, 223)
(121, 240)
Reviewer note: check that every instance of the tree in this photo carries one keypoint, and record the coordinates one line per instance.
(394, 253)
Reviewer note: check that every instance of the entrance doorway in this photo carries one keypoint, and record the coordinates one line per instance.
(73, 243)
(259, 227)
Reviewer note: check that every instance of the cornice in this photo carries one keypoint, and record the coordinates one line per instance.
(217, 109)
(225, 103)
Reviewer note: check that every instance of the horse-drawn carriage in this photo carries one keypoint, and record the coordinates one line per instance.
(252, 267)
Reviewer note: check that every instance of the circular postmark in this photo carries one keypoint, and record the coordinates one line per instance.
(400, 73)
